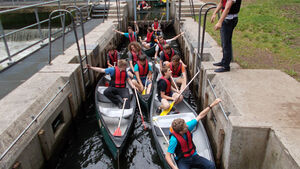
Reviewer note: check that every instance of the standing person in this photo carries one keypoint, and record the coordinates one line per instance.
(117, 85)
(149, 41)
(162, 42)
(142, 71)
(134, 52)
(112, 57)
(178, 72)
(130, 34)
(227, 23)
(166, 91)
(166, 55)
(156, 27)
(181, 143)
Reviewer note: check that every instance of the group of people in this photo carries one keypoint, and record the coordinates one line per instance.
(173, 75)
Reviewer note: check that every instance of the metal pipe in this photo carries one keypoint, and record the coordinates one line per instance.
(168, 10)
(33, 121)
(29, 6)
(226, 117)
(179, 14)
(4, 41)
(38, 21)
(134, 9)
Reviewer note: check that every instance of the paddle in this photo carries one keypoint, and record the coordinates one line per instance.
(159, 23)
(145, 88)
(174, 83)
(165, 112)
(142, 117)
(118, 131)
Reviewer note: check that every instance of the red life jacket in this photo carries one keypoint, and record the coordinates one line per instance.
(161, 45)
(155, 25)
(235, 8)
(187, 148)
(131, 37)
(168, 90)
(143, 4)
(149, 36)
(135, 57)
(143, 70)
(177, 72)
(113, 58)
(118, 80)
(167, 57)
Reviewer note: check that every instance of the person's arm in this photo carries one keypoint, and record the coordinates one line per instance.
(149, 76)
(164, 96)
(130, 83)
(122, 33)
(131, 65)
(137, 30)
(97, 69)
(108, 63)
(137, 75)
(228, 5)
(156, 51)
(169, 160)
(176, 37)
(212, 19)
(204, 112)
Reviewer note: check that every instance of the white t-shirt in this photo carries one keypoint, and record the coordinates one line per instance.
(168, 41)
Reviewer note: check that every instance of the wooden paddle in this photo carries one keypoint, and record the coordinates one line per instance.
(174, 83)
(142, 117)
(145, 88)
(165, 112)
(118, 131)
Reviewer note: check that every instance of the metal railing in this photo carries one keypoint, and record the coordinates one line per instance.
(192, 8)
(200, 54)
(33, 121)
(38, 24)
(221, 106)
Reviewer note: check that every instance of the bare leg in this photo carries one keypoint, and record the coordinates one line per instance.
(164, 104)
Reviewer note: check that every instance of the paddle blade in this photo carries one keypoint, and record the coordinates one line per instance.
(144, 92)
(118, 132)
(165, 112)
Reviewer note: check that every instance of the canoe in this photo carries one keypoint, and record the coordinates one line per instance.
(150, 52)
(108, 116)
(187, 113)
(145, 100)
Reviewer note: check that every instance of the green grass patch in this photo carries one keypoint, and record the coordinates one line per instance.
(271, 27)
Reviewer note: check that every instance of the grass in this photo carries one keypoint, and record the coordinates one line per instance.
(267, 35)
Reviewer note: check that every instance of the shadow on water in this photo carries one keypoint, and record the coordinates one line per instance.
(86, 148)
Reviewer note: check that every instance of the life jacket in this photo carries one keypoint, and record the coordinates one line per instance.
(184, 148)
(177, 72)
(155, 25)
(167, 57)
(113, 58)
(135, 57)
(118, 79)
(168, 90)
(161, 45)
(149, 37)
(143, 70)
(131, 37)
(235, 8)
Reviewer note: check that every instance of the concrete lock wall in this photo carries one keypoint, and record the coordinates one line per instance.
(47, 134)
(255, 102)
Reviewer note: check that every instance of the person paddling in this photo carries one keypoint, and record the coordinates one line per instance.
(181, 143)
(166, 55)
(112, 57)
(143, 73)
(149, 41)
(132, 35)
(117, 86)
(166, 90)
(178, 72)
(143, 5)
(156, 26)
(161, 42)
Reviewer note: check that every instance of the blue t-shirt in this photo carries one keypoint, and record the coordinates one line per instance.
(111, 72)
(173, 141)
(136, 68)
(127, 35)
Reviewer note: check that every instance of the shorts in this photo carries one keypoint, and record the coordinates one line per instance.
(171, 94)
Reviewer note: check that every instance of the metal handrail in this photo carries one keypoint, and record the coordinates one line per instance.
(33, 121)
(76, 39)
(203, 29)
(224, 113)
(3, 35)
